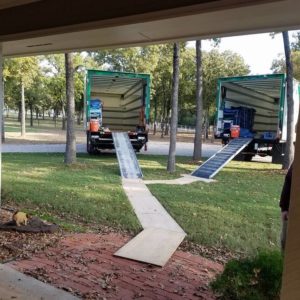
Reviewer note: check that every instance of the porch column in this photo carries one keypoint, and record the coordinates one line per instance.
(1, 112)
(291, 273)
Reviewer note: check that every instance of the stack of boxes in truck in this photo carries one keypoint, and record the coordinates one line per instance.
(95, 115)
(238, 122)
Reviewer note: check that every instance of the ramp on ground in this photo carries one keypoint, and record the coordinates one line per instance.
(128, 163)
(214, 164)
(161, 235)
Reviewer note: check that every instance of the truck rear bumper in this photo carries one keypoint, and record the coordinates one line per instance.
(105, 141)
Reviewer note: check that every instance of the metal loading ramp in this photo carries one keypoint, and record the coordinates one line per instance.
(128, 163)
(214, 164)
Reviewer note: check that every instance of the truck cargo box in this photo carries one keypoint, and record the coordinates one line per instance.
(258, 105)
(123, 105)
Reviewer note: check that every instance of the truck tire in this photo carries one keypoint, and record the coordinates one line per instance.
(278, 153)
(243, 157)
(246, 154)
(89, 147)
(248, 157)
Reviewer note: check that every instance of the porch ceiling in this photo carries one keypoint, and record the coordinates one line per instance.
(48, 26)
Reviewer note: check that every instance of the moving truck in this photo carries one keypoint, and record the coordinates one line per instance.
(116, 101)
(256, 107)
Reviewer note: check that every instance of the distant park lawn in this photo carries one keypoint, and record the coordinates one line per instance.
(238, 212)
(39, 125)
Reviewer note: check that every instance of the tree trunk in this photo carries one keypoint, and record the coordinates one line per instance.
(162, 127)
(20, 112)
(167, 126)
(174, 116)
(23, 112)
(289, 150)
(70, 154)
(31, 115)
(155, 116)
(199, 104)
(63, 112)
(168, 118)
(79, 118)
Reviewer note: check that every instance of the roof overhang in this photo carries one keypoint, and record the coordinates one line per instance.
(47, 26)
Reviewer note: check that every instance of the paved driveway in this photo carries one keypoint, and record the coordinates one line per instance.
(158, 148)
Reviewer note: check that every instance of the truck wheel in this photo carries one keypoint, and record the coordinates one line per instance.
(89, 147)
(248, 157)
(243, 157)
(278, 153)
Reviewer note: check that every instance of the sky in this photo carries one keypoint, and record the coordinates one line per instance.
(258, 50)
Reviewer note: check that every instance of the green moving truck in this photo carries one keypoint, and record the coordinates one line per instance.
(258, 105)
(116, 101)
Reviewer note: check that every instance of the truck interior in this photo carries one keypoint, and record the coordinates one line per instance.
(116, 102)
(122, 100)
(256, 95)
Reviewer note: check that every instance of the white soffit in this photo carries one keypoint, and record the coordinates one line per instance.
(273, 16)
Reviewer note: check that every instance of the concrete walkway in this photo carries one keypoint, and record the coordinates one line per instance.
(148, 209)
(161, 235)
(185, 179)
(15, 285)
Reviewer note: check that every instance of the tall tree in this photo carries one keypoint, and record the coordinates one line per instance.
(23, 111)
(199, 104)
(70, 154)
(289, 150)
(23, 71)
(174, 116)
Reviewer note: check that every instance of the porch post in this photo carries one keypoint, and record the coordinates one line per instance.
(291, 273)
(1, 112)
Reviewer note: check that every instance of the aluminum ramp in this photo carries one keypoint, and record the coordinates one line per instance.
(214, 164)
(129, 166)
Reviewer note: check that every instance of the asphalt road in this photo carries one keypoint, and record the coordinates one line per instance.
(154, 148)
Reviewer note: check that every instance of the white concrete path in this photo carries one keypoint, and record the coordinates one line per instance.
(185, 179)
(147, 208)
(15, 285)
(161, 235)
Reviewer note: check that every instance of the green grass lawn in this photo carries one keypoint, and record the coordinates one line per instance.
(239, 212)
(90, 191)
(12, 125)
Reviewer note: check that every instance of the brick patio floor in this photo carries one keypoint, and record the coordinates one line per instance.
(84, 265)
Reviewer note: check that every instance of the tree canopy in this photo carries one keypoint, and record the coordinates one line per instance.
(44, 77)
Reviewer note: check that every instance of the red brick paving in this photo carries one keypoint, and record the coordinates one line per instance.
(84, 265)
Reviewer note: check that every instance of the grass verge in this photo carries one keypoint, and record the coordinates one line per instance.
(239, 212)
(88, 192)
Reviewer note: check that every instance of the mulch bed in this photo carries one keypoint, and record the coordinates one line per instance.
(23, 242)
